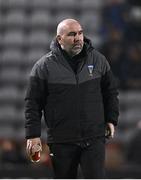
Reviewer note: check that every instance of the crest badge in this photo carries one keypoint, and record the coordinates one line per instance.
(90, 69)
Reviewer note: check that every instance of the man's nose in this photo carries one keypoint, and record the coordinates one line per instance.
(77, 37)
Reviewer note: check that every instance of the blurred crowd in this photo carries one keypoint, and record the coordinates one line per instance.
(121, 30)
(116, 32)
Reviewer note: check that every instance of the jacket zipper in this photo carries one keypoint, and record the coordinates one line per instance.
(78, 101)
(77, 80)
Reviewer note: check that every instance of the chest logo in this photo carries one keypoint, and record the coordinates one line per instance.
(90, 69)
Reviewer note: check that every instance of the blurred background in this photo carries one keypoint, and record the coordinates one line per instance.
(26, 30)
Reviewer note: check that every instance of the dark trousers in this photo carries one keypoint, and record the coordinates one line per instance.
(67, 157)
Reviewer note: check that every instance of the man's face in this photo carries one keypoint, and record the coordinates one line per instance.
(72, 39)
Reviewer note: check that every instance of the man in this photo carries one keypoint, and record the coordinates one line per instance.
(75, 88)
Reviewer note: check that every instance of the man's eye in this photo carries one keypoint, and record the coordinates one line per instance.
(71, 34)
(81, 32)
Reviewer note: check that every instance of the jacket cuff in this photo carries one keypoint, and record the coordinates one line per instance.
(112, 121)
(32, 132)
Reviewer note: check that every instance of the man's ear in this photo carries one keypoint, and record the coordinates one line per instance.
(58, 37)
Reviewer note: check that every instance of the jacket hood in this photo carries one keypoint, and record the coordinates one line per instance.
(55, 46)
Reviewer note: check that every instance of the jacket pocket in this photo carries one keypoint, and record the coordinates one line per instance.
(59, 116)
(49, 117)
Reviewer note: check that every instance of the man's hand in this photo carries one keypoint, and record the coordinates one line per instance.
(110, 130)
(31, 142)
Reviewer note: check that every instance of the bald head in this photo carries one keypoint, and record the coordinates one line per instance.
(65, 24)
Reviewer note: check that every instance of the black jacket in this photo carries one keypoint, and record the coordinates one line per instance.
(76, 106)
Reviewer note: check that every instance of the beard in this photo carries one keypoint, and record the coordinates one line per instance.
(76, 49)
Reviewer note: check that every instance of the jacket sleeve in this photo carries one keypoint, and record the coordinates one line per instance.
(109, 86)
(34, 102)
